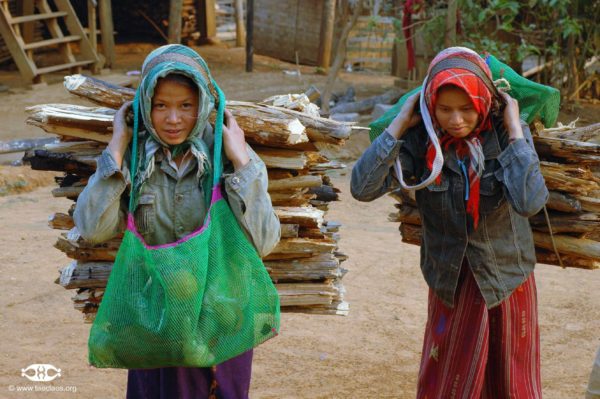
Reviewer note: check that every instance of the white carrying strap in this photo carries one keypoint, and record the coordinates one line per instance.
(438, 161)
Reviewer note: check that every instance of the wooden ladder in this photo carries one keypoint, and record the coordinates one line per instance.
(12, 28)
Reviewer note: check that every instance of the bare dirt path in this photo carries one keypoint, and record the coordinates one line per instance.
(372, 353)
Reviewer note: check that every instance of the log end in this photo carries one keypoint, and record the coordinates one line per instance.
(297, 132)
(72, 82)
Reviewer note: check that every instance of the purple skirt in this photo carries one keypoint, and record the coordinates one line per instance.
(228, 380)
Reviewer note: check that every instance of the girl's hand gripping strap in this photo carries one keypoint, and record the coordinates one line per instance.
(438, 161)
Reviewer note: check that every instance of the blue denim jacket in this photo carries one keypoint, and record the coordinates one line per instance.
(500, 252)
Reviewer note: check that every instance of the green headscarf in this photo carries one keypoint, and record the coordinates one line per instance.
(182, 60)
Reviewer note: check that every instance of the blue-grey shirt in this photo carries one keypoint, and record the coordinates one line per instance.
(500, 252)
(172, 204)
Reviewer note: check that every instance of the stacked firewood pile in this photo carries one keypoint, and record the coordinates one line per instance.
(305, 265)
(570, 163)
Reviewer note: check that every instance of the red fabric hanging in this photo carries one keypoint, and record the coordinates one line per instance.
(410, 7)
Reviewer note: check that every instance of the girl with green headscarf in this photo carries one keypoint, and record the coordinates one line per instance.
(173, 179)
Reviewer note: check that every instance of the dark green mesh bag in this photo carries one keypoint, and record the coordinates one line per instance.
(196, 302)
(535, 100)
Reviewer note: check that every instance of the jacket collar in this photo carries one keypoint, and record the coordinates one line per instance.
(490, 146)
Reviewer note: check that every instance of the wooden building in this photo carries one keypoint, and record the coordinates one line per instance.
(297, 30)
(283, 28)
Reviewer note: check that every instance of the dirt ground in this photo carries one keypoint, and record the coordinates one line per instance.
(372, 353)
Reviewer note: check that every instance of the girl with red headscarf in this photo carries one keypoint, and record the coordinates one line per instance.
(477, 252)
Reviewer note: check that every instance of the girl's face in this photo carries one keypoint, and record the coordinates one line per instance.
(454, 112)
(174, 111)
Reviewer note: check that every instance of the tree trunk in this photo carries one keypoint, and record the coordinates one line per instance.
(450, 37)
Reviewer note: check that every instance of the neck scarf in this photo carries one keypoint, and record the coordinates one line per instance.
(165, 60)
(468, 149)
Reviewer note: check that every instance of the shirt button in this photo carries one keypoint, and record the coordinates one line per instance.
(180, 229)
(178, 197)
(235, 180)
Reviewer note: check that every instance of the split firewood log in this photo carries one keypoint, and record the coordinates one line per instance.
(98, 91)
(317, 128)
(567, 222)
(570, 178)
(579, 247)
(548, 257)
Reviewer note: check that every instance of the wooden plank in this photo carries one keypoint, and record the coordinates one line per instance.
(67, 192)
(326, 36)
(175, 21)
(295, 182)
(579, 223)
(98, 91)
(80, 274)
(589, 204)
(61, 221)
(15, 44)
(285, 198)
(549, 258)
(289, 230)
(302, 216)
(568, 245)
(107, 31)
(92, 36)
(206, 19)
(301, 246)
(249, 35)
(284, 159)
(74, 27)
(317, 128)
(44, 160)
(563, 202)
(37, 17)
(21, 145)
(240, 30)
(51, 42)
(28, 29)
(62, 67)
(569, 178)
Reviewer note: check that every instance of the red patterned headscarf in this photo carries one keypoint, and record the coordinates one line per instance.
(469, 146)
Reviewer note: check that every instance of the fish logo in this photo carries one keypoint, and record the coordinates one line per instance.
(41, 372)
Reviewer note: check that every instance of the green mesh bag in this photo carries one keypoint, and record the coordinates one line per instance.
(535, 100)
(196, 302)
